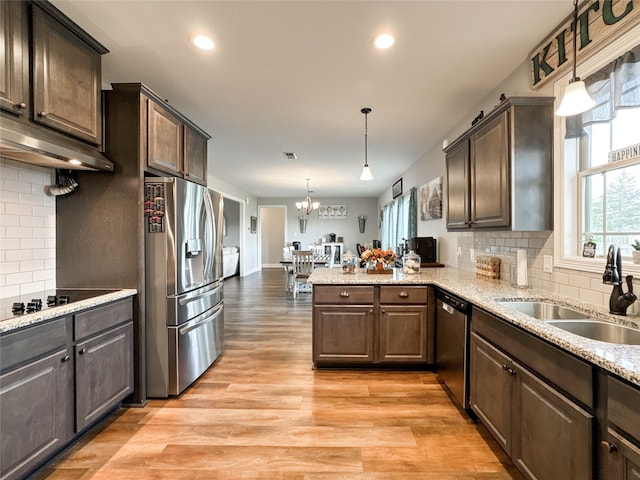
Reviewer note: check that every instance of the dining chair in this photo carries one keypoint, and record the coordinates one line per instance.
(302, 261)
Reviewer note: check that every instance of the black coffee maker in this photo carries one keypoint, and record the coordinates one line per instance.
(425, 247)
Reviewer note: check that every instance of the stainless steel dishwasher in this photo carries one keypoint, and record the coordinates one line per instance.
(452, 345)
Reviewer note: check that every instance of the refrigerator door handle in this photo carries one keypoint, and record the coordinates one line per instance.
(198, 323)
(209, 237)
(192, 298)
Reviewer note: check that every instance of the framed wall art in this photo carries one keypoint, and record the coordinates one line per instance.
(430, 198)
(396, 190)
(332, 212)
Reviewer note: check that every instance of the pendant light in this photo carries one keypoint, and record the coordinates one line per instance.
(307, 206)
(576, 98)
(366, 171)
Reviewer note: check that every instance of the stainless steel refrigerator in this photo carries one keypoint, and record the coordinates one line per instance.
(184, 286)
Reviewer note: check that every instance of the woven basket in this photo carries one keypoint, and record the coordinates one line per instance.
(488, 268)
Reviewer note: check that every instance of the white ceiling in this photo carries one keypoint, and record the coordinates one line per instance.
(293, 76)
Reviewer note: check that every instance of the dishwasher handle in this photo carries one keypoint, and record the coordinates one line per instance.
(448, 308)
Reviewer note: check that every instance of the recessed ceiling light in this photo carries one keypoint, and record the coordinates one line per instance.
(203, 42)
(383, 41)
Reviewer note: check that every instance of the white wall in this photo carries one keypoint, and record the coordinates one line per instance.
(319, 228)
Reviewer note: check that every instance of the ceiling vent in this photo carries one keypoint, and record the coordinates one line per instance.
(290, 155)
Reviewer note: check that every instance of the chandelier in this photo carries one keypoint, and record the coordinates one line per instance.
(307, 206)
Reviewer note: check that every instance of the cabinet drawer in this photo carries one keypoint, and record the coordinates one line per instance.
(565, 371)
(343, 295)
(101, 318)
(32, 342)
(622, 407)
(403, 295)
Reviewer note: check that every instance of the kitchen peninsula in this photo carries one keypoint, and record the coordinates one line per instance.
(547, 396)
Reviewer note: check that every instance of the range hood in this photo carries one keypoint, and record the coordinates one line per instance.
(35, 145)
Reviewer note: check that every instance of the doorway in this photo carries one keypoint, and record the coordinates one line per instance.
(272, 221)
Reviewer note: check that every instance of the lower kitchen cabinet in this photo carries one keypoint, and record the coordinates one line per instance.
(52, 387)
(35, 418)
(622, 438)
(371, 325)
(104, 373)
(547, 434)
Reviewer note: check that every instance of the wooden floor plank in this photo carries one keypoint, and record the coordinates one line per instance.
(262, 413)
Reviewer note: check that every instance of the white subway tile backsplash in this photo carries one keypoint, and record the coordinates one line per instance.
(27, 229)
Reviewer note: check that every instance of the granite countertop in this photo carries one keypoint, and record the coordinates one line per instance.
(27, 319)
(622, 360)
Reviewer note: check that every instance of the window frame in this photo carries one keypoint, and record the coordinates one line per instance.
(566, 230)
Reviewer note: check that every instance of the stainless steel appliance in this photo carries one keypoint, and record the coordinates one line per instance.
(184, 285)
(452, 345)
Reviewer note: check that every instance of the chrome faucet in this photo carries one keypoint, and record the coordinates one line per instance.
(619, 301)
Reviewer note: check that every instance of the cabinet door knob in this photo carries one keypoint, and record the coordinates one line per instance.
(505, 366)
(344, 294)
(608, 446)
(511, 371)
(21, 105)
(82, 351)
(403, 294)
(43, 114)
(65, 359)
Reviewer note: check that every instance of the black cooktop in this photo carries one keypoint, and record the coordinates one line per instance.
(38, 301)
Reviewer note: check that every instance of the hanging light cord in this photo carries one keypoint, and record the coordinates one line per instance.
(366, 130)
(575, 38)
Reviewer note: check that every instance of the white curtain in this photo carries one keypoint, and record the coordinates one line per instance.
(394, 223)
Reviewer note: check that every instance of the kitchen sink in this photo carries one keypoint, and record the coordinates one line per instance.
(544, 310)
(602, 331)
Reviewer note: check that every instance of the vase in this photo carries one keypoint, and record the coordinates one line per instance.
(636, 256)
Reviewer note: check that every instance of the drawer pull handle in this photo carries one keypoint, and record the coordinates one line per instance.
(608, 446)
(82, 351)
(43, 114)
(511, 371)
(21, 105)
(505, 366)
(403, 294)
(344, 294)
(65, 359)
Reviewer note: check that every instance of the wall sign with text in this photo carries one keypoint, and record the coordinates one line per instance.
(599, 21)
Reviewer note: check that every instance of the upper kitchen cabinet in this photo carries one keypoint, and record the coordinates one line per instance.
(60, 88)
(500, 171)
(14, 80)
(167, 142)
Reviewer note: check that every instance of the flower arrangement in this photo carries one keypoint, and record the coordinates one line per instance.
(378, 257)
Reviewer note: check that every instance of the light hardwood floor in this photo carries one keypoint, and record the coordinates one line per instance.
(262, 412)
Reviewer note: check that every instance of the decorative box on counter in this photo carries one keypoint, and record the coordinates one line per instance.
(488, 268)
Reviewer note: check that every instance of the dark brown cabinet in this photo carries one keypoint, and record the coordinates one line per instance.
(66, 80)
(343, 319)
(402, 332)
(499, 172)
(60, 87)
(195, 156)
(547, 434)
(14, 78)
(621, 444)
(168, 143)
(58, 378)
(371, 325)
(164, 138)
(36, 394)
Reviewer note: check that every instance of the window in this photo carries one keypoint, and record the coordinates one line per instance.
(398, 222)
(601, 195)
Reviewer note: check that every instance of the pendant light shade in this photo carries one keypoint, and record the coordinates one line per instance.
(576, 99)
(366, 171)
